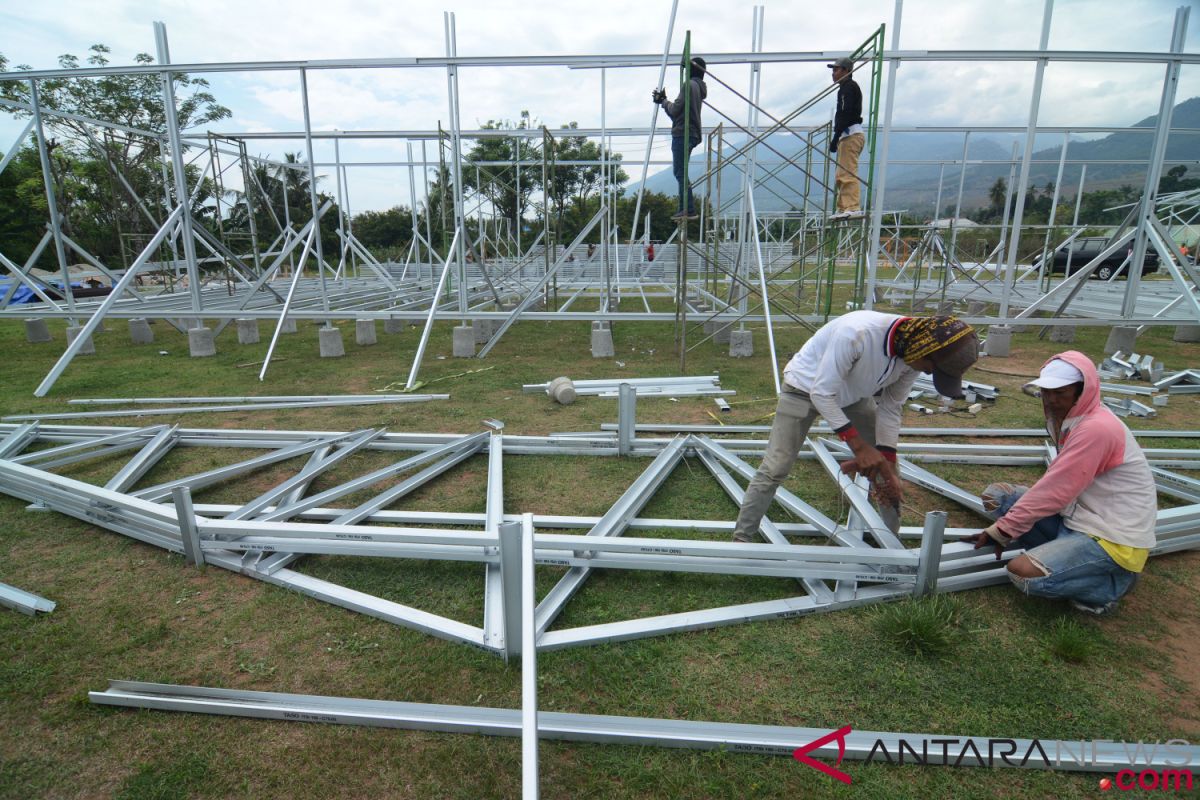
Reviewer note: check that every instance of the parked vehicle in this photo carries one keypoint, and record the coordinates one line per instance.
(1081, 251)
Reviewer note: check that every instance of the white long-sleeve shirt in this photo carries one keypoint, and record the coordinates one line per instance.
(851, 358)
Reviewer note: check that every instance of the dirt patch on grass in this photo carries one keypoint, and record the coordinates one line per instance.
(1175, 608)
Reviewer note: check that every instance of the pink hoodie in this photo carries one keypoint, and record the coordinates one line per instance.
(1099, 482)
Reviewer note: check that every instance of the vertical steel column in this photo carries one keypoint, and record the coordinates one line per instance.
(1000, 248)
(1158, 151)
(529, 713)
(1062, 162)
(249, 179)
(312, 195)
(606, 278)
(626, 418)
(766, 302)
(343, 242)
(181, 191)
(428, 216)
(510, 577)
(460, 221)
(412, 193)
(167, 206)
(182, 496)
(1035, 101)
(51, 204)
(930, 560)
(1079, 196)
(520, 215)
(662, 74)
(494, 628)
(962, 174)
(882, 161)
(284, 173)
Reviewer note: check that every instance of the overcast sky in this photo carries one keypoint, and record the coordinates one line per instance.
(250, 30)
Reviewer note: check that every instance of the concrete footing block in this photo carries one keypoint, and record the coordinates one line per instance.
(562, 391)
(1183, 333)
(247, 331)
(484, 328)
(464, 342)
(718, 330)
(999, 341)
(140, 332)
(1122, 338)
(289, 326)
(1062, 334)
(364, 332)
(602, 341)
(331, 342)
(89, 347)
(945, 308)
(741, 344)
(201, 342)
(36, 330)
(393, 326)
(976, 308)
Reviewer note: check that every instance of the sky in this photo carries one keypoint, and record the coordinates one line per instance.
(961, 93)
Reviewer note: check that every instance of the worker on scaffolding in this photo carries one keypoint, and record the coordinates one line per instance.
(680, 122)
(838, 374)
(1087, 525)
(848, 139)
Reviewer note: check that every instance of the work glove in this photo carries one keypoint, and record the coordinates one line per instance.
(659, 96)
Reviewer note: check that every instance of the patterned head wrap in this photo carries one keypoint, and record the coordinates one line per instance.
(948, 342)
(917, 337)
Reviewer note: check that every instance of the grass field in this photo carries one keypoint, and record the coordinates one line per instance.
(991, 663)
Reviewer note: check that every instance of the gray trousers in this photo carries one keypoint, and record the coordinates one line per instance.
(794, 415)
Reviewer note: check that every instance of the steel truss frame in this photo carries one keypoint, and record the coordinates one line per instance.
(859, 561)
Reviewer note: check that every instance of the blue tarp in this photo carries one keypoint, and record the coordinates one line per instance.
(25, 295)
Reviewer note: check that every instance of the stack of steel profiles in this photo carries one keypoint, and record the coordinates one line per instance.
(23, 601)
(1100, 756)
(261, 537)
(703, 385)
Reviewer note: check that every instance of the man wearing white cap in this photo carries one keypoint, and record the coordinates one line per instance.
(1088, 525)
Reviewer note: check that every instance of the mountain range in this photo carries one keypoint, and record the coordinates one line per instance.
(914, 187)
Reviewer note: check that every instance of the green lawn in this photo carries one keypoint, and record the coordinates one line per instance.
(1008, 666)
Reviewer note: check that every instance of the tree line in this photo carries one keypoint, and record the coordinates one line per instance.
(111, 184)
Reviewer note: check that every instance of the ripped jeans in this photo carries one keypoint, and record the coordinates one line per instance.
(1076, 567)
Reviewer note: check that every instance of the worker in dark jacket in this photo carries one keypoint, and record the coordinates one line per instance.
(681, 150)
(848, 138)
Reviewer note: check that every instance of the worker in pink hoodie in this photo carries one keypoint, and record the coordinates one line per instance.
(1088, 525)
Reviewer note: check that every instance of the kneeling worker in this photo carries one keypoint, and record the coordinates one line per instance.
(837, 374)
(1087, 525)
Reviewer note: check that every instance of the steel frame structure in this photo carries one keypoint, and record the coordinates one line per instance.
(859, 561)
(473, 291)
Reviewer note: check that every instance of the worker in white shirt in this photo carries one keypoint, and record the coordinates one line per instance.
(838, 374)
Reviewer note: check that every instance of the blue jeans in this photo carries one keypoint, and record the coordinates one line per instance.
(1076, 566)
(678, 157)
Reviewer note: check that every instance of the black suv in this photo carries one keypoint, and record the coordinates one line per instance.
(1084, 249)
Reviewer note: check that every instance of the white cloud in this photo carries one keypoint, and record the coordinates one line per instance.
(995, 93)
